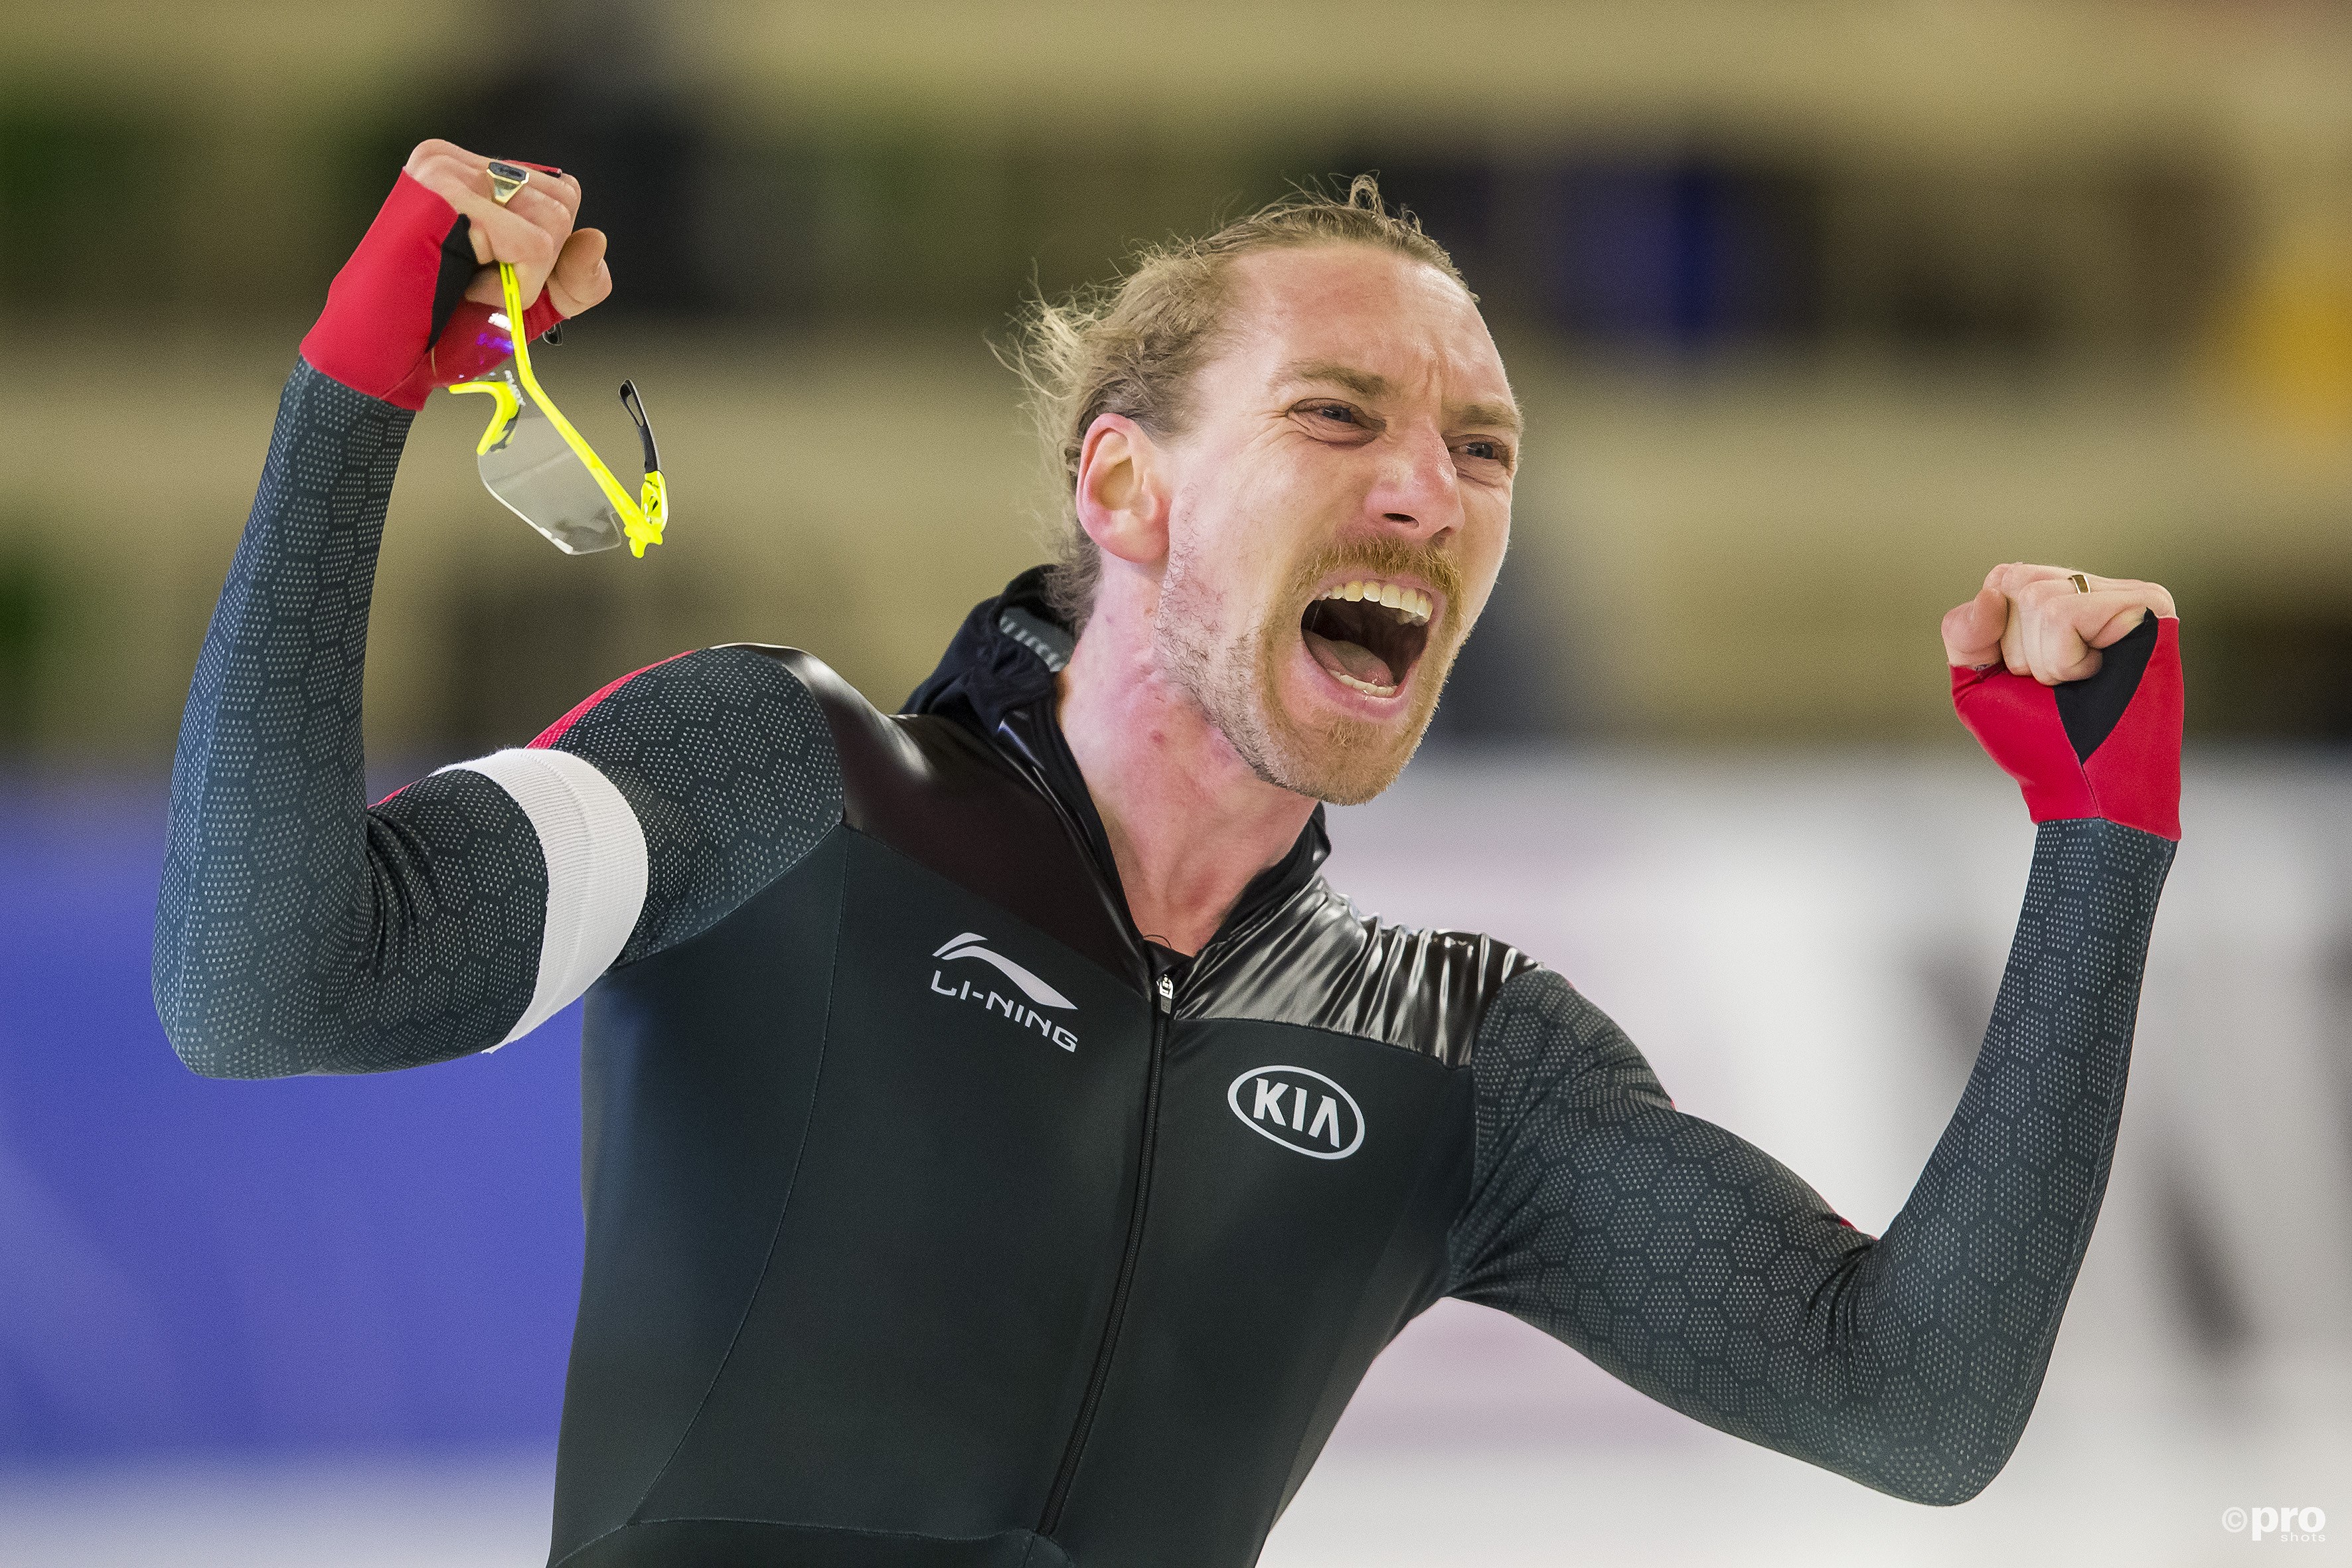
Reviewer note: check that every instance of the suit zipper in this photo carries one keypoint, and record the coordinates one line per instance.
(1068, 1473)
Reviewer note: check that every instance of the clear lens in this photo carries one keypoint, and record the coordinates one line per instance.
(536, 476)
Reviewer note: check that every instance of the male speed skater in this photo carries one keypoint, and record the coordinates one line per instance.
(1002, 1146)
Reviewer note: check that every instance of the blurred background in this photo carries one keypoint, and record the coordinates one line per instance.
(1817, 309)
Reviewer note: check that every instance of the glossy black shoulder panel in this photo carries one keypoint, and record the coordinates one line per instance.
(938, 794)
(1317, 961)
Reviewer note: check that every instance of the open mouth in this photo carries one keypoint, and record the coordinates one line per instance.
(1367, 634)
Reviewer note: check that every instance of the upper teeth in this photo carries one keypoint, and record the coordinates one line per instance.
(1412, 607)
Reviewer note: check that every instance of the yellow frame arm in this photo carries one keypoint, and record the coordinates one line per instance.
(643, 519)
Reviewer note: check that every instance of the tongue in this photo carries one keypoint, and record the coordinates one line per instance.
(1349, 658)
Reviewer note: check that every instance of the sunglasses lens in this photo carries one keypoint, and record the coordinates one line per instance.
(538, 478)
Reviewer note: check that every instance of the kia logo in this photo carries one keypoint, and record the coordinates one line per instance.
(1299, 1109)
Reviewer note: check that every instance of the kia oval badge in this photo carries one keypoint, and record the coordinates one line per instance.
(1299, 1109)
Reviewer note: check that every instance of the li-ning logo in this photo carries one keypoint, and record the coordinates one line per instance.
(1299, 1109)
(969, 945)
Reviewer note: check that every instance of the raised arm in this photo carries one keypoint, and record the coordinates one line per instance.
(299, 930)
(1701, 1270)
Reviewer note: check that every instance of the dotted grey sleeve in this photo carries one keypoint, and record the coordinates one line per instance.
(300, 931)
(726, 761)
(1705, 1273)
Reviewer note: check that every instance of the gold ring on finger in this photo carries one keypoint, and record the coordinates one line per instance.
(506, 179)
(2081, 584)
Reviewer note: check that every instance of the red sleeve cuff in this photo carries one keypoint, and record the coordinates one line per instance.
(2109, 748)
(376, 334)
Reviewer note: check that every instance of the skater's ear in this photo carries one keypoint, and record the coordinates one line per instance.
(1122, 492)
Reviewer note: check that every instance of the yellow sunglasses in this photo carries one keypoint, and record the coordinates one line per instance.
(544, 471)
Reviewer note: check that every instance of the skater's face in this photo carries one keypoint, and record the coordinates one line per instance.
(1336, 508)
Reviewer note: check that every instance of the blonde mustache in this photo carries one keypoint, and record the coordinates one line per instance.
(1383, 557)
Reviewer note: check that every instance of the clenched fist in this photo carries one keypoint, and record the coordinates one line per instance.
(533, 230)
(2072, 684)
(2034, 620)
(413, 307)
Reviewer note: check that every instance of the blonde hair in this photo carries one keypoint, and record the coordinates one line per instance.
(1132, 346)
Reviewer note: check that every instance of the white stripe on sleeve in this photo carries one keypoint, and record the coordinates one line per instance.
(595, 869)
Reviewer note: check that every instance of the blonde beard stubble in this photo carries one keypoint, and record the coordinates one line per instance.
(1342, 761)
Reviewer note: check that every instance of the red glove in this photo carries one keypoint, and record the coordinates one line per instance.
(2106, 746)
(397, 322)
